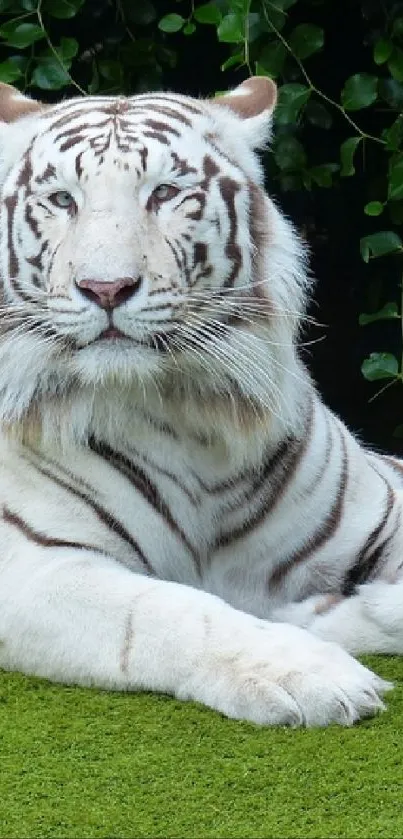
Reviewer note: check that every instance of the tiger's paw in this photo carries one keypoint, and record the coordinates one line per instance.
(281, 675)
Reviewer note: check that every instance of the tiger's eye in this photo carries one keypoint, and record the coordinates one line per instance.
(164, 192)
(64, 200)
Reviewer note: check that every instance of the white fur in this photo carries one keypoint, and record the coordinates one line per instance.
(93, 616)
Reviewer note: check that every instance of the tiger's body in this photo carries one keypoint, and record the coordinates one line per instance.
(174, 495)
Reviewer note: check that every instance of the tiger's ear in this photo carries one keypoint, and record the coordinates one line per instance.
(253, 102)
(15, 133)
(14, 105)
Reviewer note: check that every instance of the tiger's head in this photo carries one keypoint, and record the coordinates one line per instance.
(137, 245)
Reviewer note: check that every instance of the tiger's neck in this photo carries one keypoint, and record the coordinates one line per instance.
(226, 428)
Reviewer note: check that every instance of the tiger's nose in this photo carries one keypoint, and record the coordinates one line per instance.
(109, 295)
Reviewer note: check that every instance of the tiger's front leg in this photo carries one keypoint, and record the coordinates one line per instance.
(77, 616)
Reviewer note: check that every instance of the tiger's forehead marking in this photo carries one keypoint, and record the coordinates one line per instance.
(128, 123)
(124, 111)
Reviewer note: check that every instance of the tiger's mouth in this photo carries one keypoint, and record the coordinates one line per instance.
(158, 342)
(112, 332)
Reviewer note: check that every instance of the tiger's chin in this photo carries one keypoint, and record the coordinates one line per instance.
(116, 358)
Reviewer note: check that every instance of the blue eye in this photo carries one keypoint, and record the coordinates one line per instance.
(164, 192)
(64, 200)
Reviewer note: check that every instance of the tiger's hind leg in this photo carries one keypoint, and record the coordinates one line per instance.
(370, 621)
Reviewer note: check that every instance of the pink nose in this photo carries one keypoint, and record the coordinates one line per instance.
(109, 295)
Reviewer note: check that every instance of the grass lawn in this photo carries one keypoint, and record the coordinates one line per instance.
(81, 763)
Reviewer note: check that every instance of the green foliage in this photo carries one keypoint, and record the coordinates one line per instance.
(388, 312)
(380, 244)
(306, 39)
(333, 130)
(347, 151)
(380, 365)
(208, 13)
(373, 208)
(359, 92)
(51, 37)
(171, 23)
(292, 98)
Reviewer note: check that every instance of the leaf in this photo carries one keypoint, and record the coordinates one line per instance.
(394, 135)
(347, 152)
(382, 50)
(63, 9)
(233, 60)
(261, 71)
(271, 58)
(208, 13)
(306, 39)
(360, 91)
(142, 12)
(171, 23)
(231, 29)
(9, 71)
(318, 115)
(275, 14)
(373, 208)
(189, 28)
(22, 34)
(66, 51)
(68, 48)
(380, 365)
(322, 174)
(395, 64)
(255, 26)
(291, 98)
(395, 188)
(289, 154)
(388, 312)
(380, 244)
(50, 75)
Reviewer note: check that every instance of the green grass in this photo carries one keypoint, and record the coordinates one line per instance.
(81, 763)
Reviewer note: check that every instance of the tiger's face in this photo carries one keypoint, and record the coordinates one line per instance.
(134, 233)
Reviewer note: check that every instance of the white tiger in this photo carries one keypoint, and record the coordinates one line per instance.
(173, 493)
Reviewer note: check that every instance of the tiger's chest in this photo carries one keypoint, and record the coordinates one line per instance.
(144, 504)
(175, 509)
